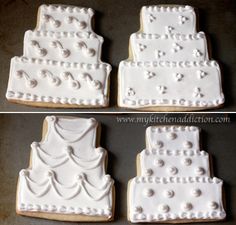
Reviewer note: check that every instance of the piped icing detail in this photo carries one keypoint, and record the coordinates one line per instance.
(61, 63)
(67, 173)
(174, 181)
(169, 46)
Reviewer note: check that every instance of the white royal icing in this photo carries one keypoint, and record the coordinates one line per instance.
(174, 181)
(168, 19)
(61, 63)
(64, 18)
(67, 173)
(184, 86)
(169, 63)
(168, 47)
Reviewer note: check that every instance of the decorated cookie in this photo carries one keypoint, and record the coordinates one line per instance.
(169, 67)
(66, 179)
(61, 65)
(174, 181)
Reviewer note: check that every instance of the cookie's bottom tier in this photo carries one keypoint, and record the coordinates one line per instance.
(79, 199)
(184, 85)
(53, 83)
(173, 199)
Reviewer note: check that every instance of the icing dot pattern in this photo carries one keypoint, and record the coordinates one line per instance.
(175, 181)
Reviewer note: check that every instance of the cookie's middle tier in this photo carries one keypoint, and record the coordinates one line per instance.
(180, 163)
(169, 47)
(63, 46)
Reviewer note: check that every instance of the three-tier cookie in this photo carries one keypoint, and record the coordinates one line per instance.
(66, 179)
(61, 64)
(174, 182)
(169, 68)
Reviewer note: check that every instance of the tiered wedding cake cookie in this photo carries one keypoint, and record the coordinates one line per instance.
(169, 67)
(61, 65)
(66, 179)
(174, 182)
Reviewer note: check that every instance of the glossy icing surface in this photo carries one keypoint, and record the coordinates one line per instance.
(168, 47)
(65, 171)
(174, 179)
(189, 84)
(61, 62)
(64, 18)
(81, 46)
(168, 19)
(170, 60)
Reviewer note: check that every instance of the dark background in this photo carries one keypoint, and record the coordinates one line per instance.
(115, 20)
(123, 142)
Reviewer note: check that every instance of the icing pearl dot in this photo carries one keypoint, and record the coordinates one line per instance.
(148, 192)
(196, 192)
(164, 208)
(172, 136)
(56, 23)
(79, 177)
(199, 171)
(35, 145)
(159, 144)
(138, 209)
(187, 144)
(69, 149)
(42, 52)
(65, 53)
(187, 206)
(107, 178)
(91, 52)
(172, 170)
(52, 118)
(213, 205)
(169, 193)
(32, 83)
(149, 172)
(24, 173)
(96, 84)
(159, 162)
(82, 24)
(187, 161)
(69, 19)
(50, 173)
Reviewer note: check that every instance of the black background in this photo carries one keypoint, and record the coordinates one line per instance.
(115, 20)
(123, 142)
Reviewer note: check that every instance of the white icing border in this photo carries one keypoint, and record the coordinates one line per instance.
(68, 8)
(58, 34)
(179, 37)
(168, 8)
(48, 99)
(74, 65)
(165, 180)
(170, 64)
(65, 210)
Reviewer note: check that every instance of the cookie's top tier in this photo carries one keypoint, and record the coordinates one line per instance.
(64, 18)
(172, 137)
(168, 19)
